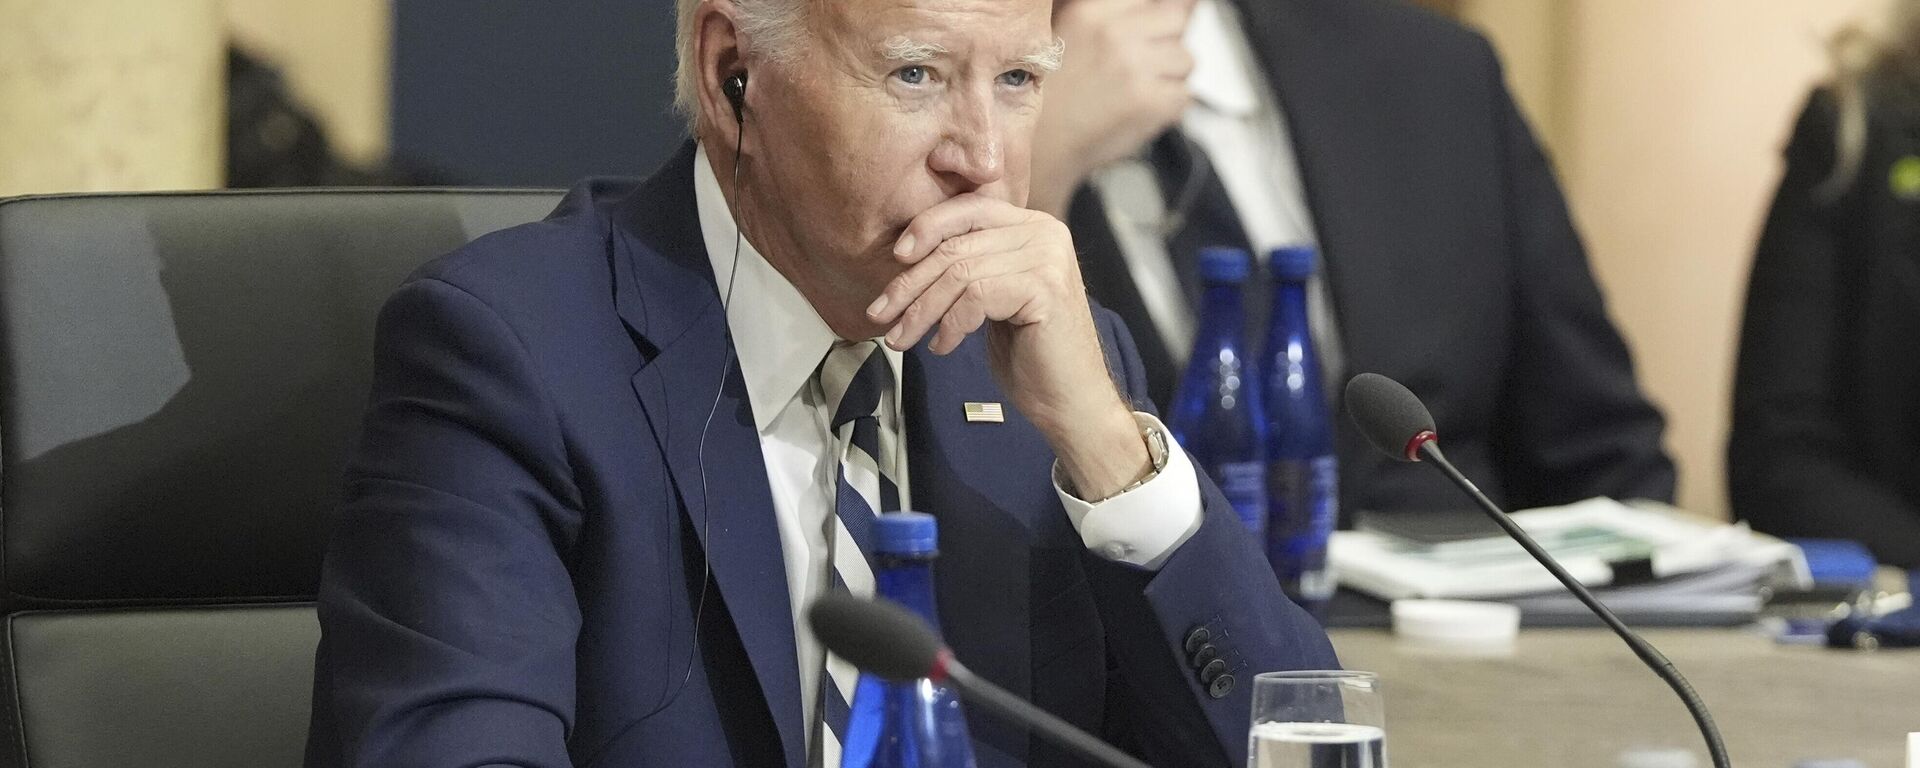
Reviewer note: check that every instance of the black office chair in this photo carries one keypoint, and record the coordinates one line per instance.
(181, 376)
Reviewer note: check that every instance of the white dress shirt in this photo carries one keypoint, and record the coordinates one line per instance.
(1241, 128)
(780, 341)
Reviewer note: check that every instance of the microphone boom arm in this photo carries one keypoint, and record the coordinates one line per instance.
(1651, 656)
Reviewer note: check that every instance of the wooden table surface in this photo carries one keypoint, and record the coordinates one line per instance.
(1578, 698)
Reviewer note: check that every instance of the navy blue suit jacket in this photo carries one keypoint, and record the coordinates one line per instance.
(516, 572)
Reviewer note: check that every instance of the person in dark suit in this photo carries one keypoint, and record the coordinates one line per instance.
(1826, 398)
(1385, 136)
(611, 457)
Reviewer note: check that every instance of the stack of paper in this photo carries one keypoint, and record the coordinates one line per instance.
(1639, 558)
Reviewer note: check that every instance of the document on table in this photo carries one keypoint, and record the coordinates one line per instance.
(1651, 556)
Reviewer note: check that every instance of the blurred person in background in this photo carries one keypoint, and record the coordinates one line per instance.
(1826, 401)
(1385, 136)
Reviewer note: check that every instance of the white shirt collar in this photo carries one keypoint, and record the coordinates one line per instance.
(779, 337)
(1223, 66)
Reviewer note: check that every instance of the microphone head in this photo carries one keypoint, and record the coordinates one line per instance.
(1390, 415)
(878, 636)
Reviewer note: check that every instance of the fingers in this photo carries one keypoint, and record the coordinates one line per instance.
(949, 260)
(952, 218)
(1008, 298)
(1003, 274)
(928, 292)
(967, 313)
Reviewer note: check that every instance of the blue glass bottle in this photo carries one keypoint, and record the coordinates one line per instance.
(1216, 411)
(1303, 477)
(917, 724)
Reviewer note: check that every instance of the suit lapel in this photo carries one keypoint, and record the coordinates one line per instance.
(1190, 197)
(665, 295)
(987, 485)
(1110, 281)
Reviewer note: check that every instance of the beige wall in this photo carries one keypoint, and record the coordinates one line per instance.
(1666, 118)
(335, 55)
(110, 95)
(1529, 35)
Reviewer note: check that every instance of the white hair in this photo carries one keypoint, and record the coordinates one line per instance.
(1047, 59)
(909, 50)
(773, 28)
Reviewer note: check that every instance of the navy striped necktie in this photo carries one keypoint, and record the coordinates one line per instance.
(854, 378)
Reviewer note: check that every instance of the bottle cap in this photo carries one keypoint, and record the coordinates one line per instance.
(1656, 757)
(1219, 264)
(1293, 262)
(905, 533)
(1460, 625)
(1839, 762)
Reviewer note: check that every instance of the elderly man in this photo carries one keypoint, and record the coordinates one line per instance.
(612, 456)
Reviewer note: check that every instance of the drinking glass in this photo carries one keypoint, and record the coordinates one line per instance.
(1317, 719)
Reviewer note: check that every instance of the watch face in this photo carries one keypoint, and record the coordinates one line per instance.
(1157, 447)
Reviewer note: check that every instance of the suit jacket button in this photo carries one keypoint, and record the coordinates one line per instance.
(1213, 670)
(1220, 687)
(1198, 637)
(1206, 654)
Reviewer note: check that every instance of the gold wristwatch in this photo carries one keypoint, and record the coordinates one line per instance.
(1158, 451)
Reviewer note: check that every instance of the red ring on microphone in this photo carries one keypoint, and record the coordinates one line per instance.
(938, 673)
(1422, 438)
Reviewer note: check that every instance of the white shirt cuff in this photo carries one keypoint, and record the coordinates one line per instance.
(1142, 527)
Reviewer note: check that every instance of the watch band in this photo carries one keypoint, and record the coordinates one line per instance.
(1158, 452)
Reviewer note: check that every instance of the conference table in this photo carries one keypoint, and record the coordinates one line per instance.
(1578, 698)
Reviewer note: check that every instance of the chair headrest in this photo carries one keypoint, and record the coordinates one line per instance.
(181, 376)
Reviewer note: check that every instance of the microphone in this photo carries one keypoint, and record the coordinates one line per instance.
(1395, 421)
(881, 637)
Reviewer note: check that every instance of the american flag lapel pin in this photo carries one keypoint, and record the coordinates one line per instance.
(985, 413)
